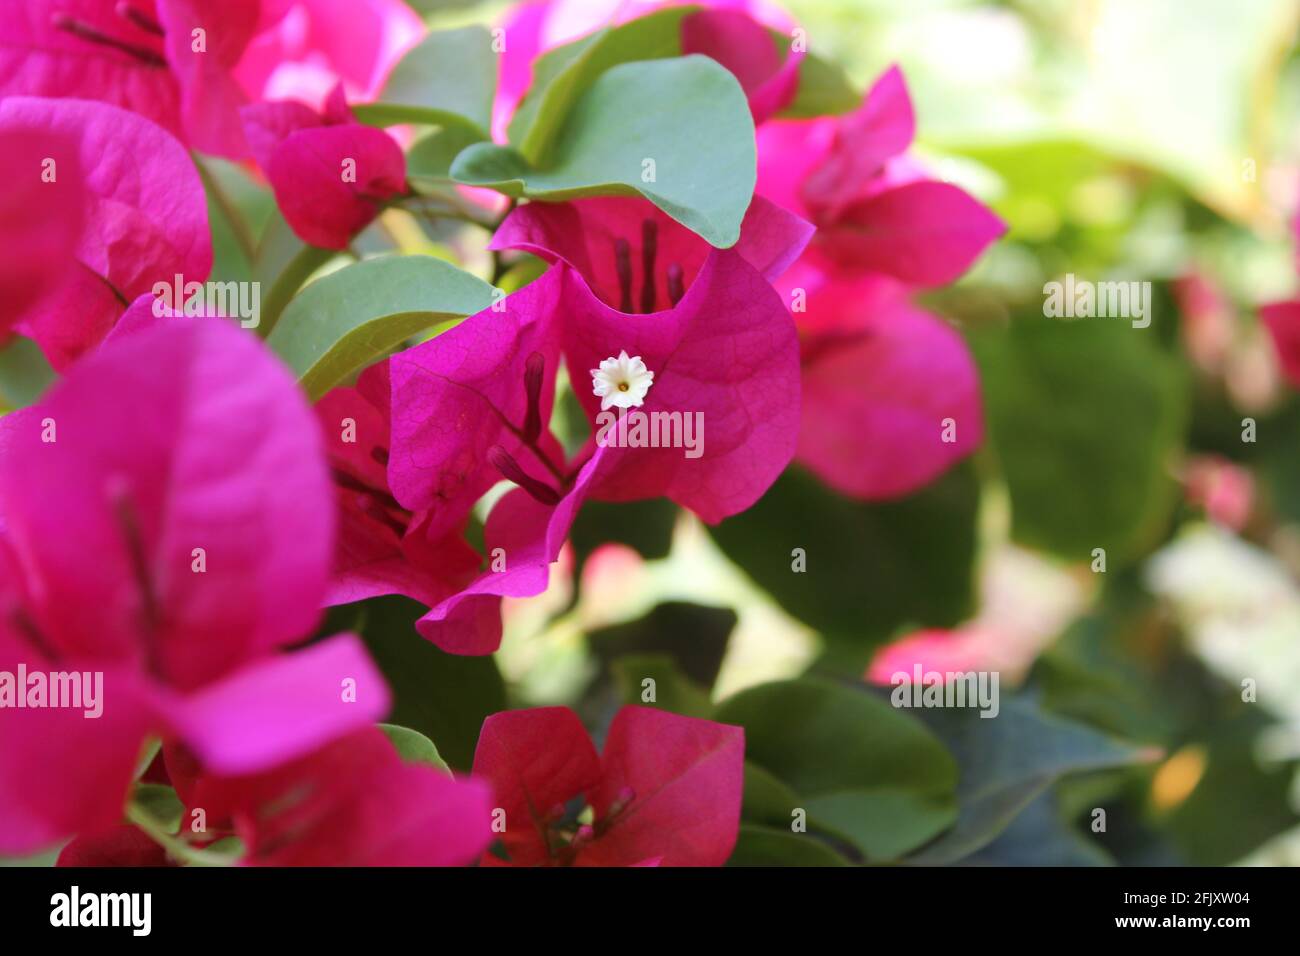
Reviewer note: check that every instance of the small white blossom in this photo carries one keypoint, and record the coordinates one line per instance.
(621, 382)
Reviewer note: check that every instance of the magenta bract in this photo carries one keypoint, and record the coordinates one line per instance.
(137, 546)
(665, 791)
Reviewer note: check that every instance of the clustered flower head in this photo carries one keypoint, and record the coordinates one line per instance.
(176, 514)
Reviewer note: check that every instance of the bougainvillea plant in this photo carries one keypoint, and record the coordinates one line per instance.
(397, 421)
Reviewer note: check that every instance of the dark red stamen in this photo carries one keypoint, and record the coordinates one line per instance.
(140, 19)
(85, 31)
(345, 480)
(623, 266)
(649, 247)
(509, 468)
(676, 287)
(374, 508)
(150, 607)
(28, 628)
(534, 367)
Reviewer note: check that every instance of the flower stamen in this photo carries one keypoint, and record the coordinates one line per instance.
(83, 30)
(676, 285)
(623, 266)
(510, 470)
(138, 17)
(649, 248)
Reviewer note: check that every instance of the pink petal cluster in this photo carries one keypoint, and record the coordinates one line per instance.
(190, 65)
(331, 175)
(126, 210)
(891, 394)
(665, 791)
(174, 540)
(382, 548)
(469, 407)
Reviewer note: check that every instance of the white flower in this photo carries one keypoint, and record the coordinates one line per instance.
(621, 381)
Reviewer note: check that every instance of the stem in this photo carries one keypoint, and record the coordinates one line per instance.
(565, 480)
(178, 848)
(499, 267)
(238, 227)
(444, 208)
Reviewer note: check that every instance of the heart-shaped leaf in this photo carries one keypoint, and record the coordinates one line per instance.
(678, 132)
(562, 75)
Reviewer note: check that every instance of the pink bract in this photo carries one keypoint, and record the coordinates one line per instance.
(665, 791)
(331, 175)
(145, 217)
(174, 539)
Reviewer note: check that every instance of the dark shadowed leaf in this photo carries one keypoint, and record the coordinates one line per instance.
(866, 771)
(767, 846)
(1086, 419)
(1006, 762)
(871, 568)
(442, 696)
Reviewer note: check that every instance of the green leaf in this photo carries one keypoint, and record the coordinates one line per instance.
(443, 696)
(24, 373)
(688, 115)
(1085, 418)
(824, 89)
(352, 317)
(692, 636)
(767, 800)
(41, 859)
(1040, 837)
(428, 164)
(449, 78)
(238, 210)
(767, 846)
(865, 771)
(871, 568)
(646, 526)
(562, 75)
(884, 824)
(1008, 761)
(161, 803)
(673, 690)
(414, 746)
(282, 264)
